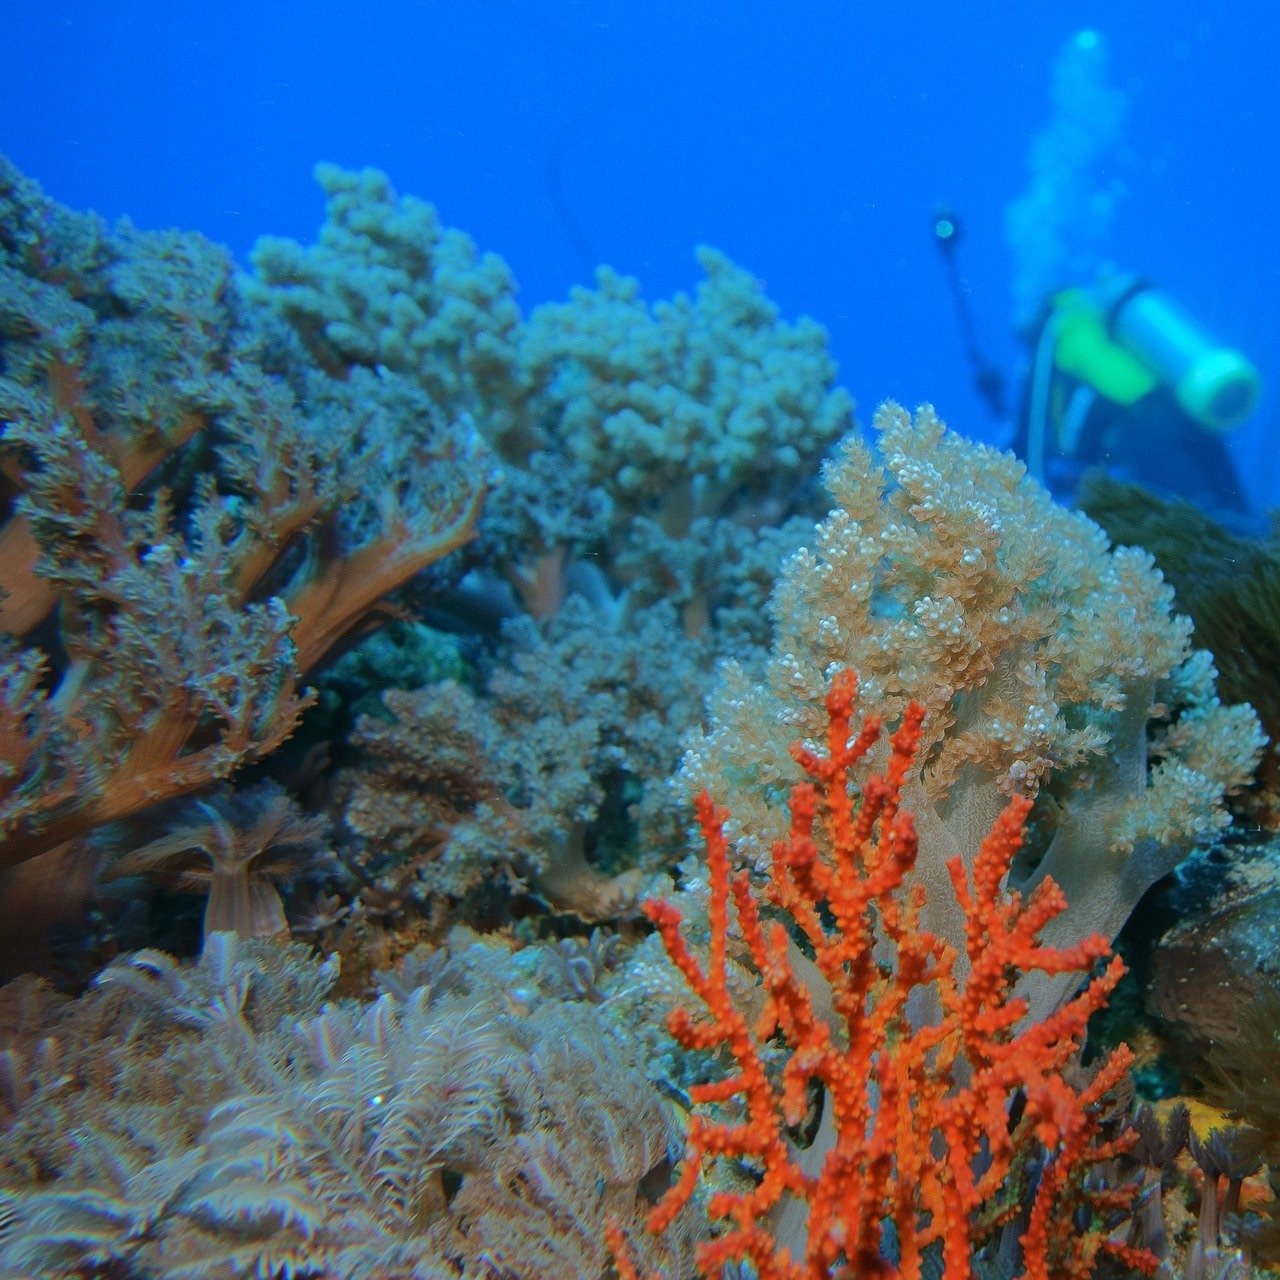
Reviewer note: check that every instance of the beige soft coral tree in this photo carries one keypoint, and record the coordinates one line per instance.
(1048, 665)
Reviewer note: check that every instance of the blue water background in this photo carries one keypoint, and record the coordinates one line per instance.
(810, 141)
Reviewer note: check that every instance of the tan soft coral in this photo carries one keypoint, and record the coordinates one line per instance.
(1046, 663)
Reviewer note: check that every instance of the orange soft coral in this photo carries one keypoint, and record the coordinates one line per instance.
(937, 1097)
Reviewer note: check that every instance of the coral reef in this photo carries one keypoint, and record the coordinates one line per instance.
(560, 770)
(653, 456)
(215, 482)
(644, 439)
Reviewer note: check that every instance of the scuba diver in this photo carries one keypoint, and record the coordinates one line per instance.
(1121, 377)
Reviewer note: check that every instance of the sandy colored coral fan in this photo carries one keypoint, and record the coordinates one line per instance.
(941, 1100)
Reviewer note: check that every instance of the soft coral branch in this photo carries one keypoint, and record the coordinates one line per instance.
(152, 638)
(175, 673)
(928, 1143)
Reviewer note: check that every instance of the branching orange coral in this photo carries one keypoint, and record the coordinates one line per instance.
(185, 531)
(944, 1105)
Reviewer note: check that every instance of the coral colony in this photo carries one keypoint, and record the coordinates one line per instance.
(546, 795)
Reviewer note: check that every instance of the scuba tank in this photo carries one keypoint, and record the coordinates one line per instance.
(1216, 385)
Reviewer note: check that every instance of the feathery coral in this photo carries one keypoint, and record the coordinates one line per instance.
(920, 1057)
(231, 1119)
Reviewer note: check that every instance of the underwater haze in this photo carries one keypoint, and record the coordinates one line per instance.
(639, 640)
(811, 142)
